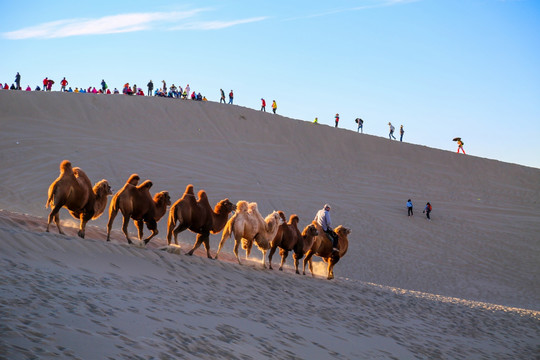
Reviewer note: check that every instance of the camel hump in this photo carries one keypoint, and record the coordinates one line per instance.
(147, 184)
(133, 179)
(294, 219)
(65, 166)
(242, 206)
(189, 190)
(202, 195)
(253, 207)
(282, 216)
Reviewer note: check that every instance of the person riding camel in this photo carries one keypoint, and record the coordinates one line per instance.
(323, 219)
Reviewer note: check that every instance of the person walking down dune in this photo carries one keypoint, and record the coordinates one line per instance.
(460, 146)
(409, 208)
(391, 134)
(274, 106)
(360, 124)
(222, 96)
(427, 211)
(231, 97)
(263, 105)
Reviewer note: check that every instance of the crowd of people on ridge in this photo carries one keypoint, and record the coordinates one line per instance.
(177, 92)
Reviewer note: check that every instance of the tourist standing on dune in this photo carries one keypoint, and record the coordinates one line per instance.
(337, 120)
(150, 86)
(263, 105)
(274, 106)
(391, 134)
(18, 81)
(231, 97)
(409, 208)
(401, 132)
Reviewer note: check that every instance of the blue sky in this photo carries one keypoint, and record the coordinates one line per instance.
(442, 68)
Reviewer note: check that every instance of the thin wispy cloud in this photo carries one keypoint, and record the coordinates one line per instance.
(216, 25)
(122, 23)
(369, 4)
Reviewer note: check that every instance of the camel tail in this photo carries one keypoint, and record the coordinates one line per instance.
(50, 199)
(173, 219)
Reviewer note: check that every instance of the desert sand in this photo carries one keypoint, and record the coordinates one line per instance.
(465, 285)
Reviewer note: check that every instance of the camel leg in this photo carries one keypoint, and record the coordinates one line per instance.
(152, 226)
(206, 242)
(272, 251)
(198, 243)
(236, 246)
(309, 254)
(284, 253)
(221, 243)
(82, 226)
(178, 230)
(54, 215)
(296, 258)
(263, 256)
(125, 223)
(139, 224)
(311, 267)
(330, 270)
(112, 215)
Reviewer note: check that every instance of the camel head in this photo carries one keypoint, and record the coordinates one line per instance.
(342, 231)
(102, 188)
(310, 230)
(225, 206)
(162, 199)
(273, 220)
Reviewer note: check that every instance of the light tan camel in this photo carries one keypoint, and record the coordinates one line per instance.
(289, 238)
(248, 226)
(197, 216)
(322, 246)
(73, 190)
(135, 201)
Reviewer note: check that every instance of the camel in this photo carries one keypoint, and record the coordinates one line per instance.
(73, 190)
(197, 216)
(135, 201)
(249, 226)
(321, 246)
(289, 238)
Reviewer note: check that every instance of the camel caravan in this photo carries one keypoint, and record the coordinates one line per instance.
(73, 190)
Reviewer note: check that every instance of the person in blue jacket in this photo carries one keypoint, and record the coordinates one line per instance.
(409, 208)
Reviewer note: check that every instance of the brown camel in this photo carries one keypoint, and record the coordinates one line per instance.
(322, 246)
(197, 216)
(289, 238)
(135, 201)
(248, 226)
(73, 190)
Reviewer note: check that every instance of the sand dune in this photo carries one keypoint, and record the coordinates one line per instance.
(60, 293)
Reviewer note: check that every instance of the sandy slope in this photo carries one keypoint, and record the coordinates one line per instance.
(482, 245)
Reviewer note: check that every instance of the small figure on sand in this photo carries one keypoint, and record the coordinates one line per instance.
(337, 120)
(316, 121)
(274, 106)
(360, 124)
(427, 210)
(263, 105)
(391, 134)
(460, 144)
(401, 132)
(409, 208)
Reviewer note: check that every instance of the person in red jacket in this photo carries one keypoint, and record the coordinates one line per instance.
(337, 119)
(63, 83)
(263, 106)
(45, 82)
